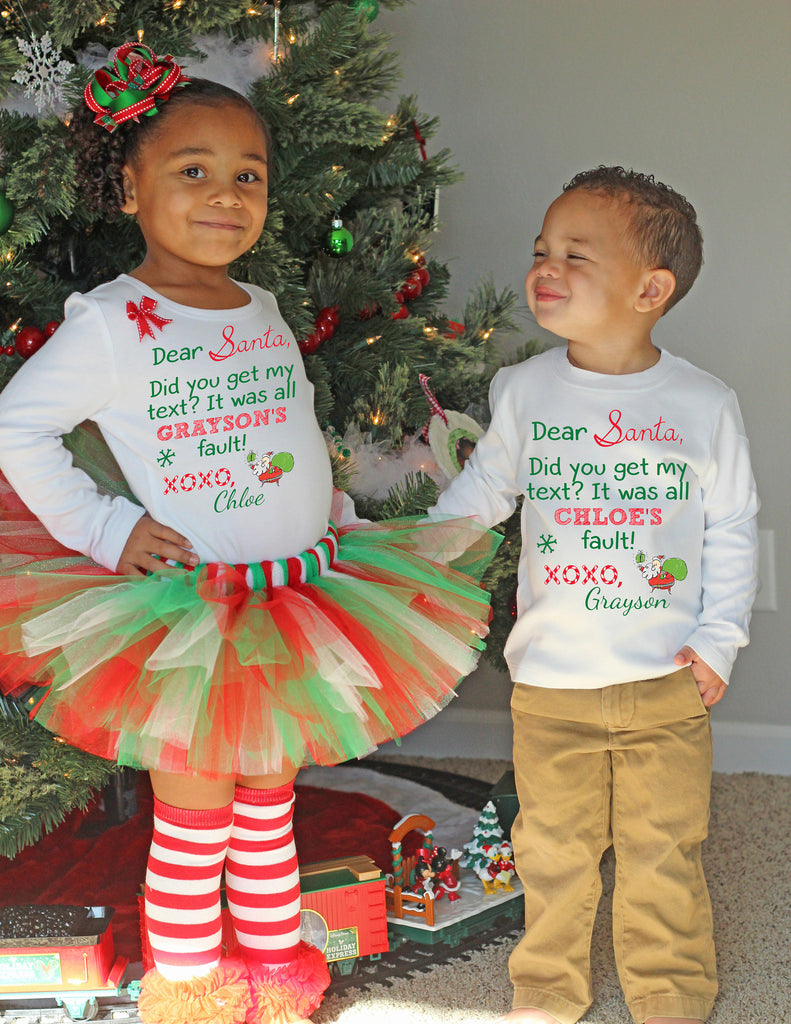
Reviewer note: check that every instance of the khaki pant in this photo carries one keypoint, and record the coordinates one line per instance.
(627, 765)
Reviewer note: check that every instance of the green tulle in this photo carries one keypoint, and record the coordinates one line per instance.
(195, 672)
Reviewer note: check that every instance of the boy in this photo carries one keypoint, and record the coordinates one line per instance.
(636, 579)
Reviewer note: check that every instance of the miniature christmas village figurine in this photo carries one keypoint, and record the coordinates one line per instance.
(433, 876)
(484, 891)
(499, 870)
(488, 854)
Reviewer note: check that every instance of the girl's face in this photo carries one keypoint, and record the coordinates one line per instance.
(198, 189)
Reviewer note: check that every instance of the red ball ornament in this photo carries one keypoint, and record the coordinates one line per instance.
(29, 340)
(411, 287)
(51, 327)
(399, 296)
(423, 276)
(9, 350)
(401, 313)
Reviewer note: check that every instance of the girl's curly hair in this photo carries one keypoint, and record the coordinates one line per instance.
(101, 155)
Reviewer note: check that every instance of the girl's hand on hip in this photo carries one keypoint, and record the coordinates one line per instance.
(149, 544)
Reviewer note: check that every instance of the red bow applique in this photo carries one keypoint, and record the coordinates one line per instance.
(145, 317)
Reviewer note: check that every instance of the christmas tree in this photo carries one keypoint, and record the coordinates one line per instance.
(346, 250)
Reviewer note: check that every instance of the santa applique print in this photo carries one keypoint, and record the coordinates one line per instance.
(660, 572)
(270, 466)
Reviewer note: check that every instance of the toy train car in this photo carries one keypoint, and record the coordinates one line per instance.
(343, 913)
(74, 970)
(343, 910)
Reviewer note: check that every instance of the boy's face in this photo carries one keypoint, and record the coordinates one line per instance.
(584, 281)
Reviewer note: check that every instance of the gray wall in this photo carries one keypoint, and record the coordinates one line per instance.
(697, 92)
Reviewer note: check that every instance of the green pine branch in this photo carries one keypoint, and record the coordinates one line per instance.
(41, 780)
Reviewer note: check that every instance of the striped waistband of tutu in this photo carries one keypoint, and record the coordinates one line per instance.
(284, 572)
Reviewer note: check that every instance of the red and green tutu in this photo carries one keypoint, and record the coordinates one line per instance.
(241, 669)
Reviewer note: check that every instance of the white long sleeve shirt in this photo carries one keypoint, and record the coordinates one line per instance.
(208, 413)
(638, 524)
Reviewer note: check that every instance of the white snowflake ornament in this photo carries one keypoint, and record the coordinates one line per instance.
(44, 74)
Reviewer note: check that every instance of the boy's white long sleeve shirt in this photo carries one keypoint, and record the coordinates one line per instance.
(639, 531)
(208, 413)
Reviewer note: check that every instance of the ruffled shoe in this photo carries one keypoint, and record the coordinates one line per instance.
(221, 997)
(287, 994)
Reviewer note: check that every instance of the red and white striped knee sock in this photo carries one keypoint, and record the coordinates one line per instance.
(182, 893)
(262, 875)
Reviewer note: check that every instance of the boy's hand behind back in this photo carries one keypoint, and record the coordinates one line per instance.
(712, 687)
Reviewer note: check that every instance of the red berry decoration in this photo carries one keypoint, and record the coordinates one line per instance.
(9, 350)
(29, 340)
(325, 324)
(369, 311)
(423, 276)
(309, 345)
(331, 313)
(401, 313)
(51, 327)
(324, 329)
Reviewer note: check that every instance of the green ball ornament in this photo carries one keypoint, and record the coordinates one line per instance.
(370, 8)
(338, 240)
(6, 213)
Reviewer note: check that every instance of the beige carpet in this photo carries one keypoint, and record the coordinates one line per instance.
(747, 866)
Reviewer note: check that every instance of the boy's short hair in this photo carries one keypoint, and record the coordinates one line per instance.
(665, 231)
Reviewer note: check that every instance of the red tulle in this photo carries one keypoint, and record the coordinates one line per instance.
(192, 672)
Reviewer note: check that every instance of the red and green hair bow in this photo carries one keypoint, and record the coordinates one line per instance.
(132, 85)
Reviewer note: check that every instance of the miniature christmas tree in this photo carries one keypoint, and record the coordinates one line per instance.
(346, 247)
(487, 832)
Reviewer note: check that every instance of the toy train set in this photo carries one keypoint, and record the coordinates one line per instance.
(350, 910)
(343, 914)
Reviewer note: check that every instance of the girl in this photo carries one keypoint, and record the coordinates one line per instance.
(217, 629)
